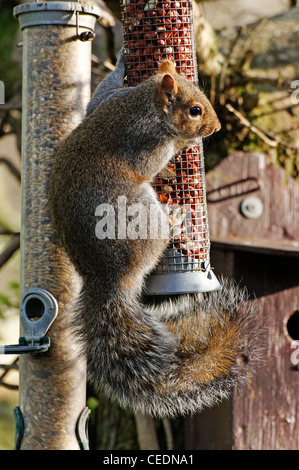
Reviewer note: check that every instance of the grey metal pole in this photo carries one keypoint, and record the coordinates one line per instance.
(56, 90)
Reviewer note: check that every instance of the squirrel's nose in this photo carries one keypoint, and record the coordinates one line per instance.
(217, 126)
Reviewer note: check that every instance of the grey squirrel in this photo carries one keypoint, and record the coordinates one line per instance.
(168, 359)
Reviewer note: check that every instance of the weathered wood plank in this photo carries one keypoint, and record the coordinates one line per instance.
(232, 182)
(265, 414)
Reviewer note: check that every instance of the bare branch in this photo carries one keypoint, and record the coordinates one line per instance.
(14, 171)
(268, 138)
(7, 368)
(12, 247)
(146, 432)
(168, 433)
(11, 107)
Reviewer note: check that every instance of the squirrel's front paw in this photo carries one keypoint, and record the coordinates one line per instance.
(120, 65)
(176, 220)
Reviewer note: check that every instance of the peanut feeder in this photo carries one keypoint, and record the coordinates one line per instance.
(154, 30)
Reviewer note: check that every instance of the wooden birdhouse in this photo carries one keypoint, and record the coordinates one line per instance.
(253, 212)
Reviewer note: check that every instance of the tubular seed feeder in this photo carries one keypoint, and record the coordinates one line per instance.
(56, 90)
(154, 30)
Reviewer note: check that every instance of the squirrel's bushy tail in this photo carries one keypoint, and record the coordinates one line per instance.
(172, 359)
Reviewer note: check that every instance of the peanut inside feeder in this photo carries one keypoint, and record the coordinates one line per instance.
(154, 30)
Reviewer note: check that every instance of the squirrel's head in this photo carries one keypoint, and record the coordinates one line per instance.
(186, 105)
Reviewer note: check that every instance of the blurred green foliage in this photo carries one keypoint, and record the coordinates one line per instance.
(10, 298)
(10, 70)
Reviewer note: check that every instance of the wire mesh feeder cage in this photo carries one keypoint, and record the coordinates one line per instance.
(154, 30)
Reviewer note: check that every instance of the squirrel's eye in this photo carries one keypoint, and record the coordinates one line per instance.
(195, 111)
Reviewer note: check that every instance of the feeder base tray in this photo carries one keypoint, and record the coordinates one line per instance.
(182, 283)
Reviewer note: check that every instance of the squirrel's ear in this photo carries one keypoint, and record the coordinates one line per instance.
(167, 67)
(168, 90)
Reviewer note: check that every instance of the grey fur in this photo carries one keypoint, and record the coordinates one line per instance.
(129, 391)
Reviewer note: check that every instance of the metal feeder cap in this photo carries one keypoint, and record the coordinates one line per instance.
(58, 13)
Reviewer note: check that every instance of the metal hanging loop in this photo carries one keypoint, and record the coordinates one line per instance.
(38, 310)
(85, 35)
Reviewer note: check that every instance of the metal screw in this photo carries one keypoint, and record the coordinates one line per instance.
(252, 207)
(86, 36)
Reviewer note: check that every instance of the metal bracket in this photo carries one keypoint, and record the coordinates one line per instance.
(38, 310)
(82, 429)
(19, 427)
(85, 35)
